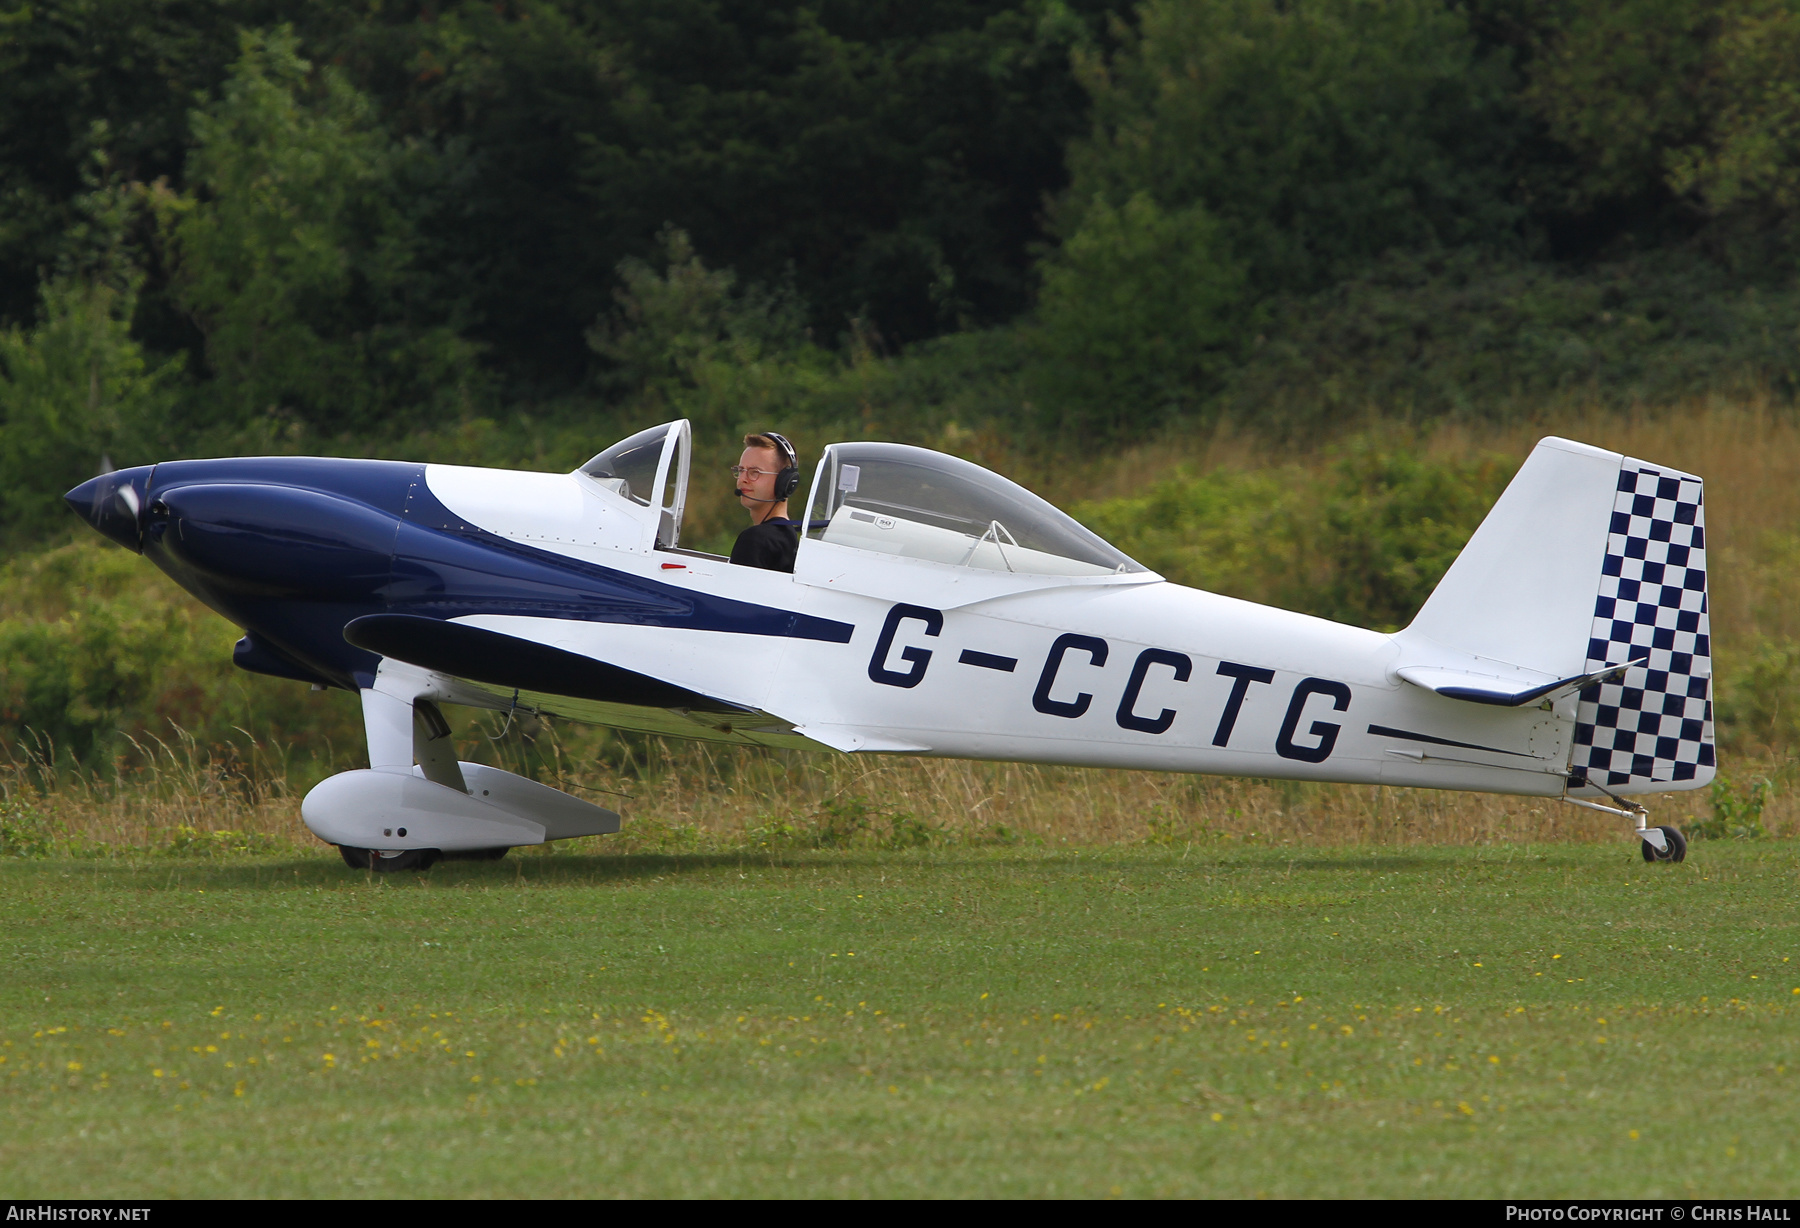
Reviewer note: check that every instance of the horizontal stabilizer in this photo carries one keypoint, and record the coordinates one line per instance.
(507, 661)
(1486, 689)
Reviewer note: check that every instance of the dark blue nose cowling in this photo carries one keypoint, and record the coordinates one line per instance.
(114, 504)
(276, 541)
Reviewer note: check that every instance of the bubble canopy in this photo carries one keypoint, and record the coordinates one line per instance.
(629, 466)
(650, 469)
(890, 498)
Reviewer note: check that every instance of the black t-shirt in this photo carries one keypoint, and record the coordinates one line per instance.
(770, 545)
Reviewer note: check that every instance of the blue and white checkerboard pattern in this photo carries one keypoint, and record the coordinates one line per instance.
(1655, 723)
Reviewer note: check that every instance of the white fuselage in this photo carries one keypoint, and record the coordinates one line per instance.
(1127, 670)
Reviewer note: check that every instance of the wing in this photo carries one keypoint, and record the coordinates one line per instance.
(541, 678)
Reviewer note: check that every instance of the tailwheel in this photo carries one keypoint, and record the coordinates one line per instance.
(388, 863)
(1674, 846)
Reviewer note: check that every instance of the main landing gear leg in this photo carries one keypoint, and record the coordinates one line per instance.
(1657, 843)
(399, 733)
(415, 803)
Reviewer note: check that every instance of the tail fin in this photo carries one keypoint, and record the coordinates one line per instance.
(1591, 559)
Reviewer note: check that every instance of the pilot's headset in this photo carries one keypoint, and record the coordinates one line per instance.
(787, 479)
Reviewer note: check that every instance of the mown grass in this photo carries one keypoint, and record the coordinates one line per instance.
(1191, 1020)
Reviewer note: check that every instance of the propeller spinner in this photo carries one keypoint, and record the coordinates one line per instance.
(114, 504)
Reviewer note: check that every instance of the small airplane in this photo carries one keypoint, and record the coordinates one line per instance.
(935, 608)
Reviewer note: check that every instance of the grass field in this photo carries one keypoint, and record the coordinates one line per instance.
(1494, 1021)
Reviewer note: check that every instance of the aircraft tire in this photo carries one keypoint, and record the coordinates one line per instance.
(1677, 850)
(411, 859)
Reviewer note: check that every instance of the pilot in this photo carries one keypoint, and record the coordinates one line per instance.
(767, 474)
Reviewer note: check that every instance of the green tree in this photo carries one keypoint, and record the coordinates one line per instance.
(81, 76)
(894, 157)
(1749, 160)
(1141, 309)
(690, 340)
(298, 255)
(666, 326)
(1694, 103)
(1319, 134)
(76, 394)
(1616, 84)
(1247, 148)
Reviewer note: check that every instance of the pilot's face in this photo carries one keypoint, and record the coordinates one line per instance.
(757, 494)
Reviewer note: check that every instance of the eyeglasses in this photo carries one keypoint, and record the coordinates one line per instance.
(741, 472)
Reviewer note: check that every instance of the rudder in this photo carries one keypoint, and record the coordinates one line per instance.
(1654, 725)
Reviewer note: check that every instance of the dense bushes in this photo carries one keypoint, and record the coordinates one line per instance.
(1460, 333)
(1141, 313)
(98, 647)
(1363, 540)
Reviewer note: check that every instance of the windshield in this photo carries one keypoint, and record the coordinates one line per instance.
(906, 501)
(629, 466)
(651, 470)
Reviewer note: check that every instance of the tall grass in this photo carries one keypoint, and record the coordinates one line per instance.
(1747, 449)
(187, 798)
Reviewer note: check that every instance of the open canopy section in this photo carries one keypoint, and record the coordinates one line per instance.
(651, 470)
(893, 499)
